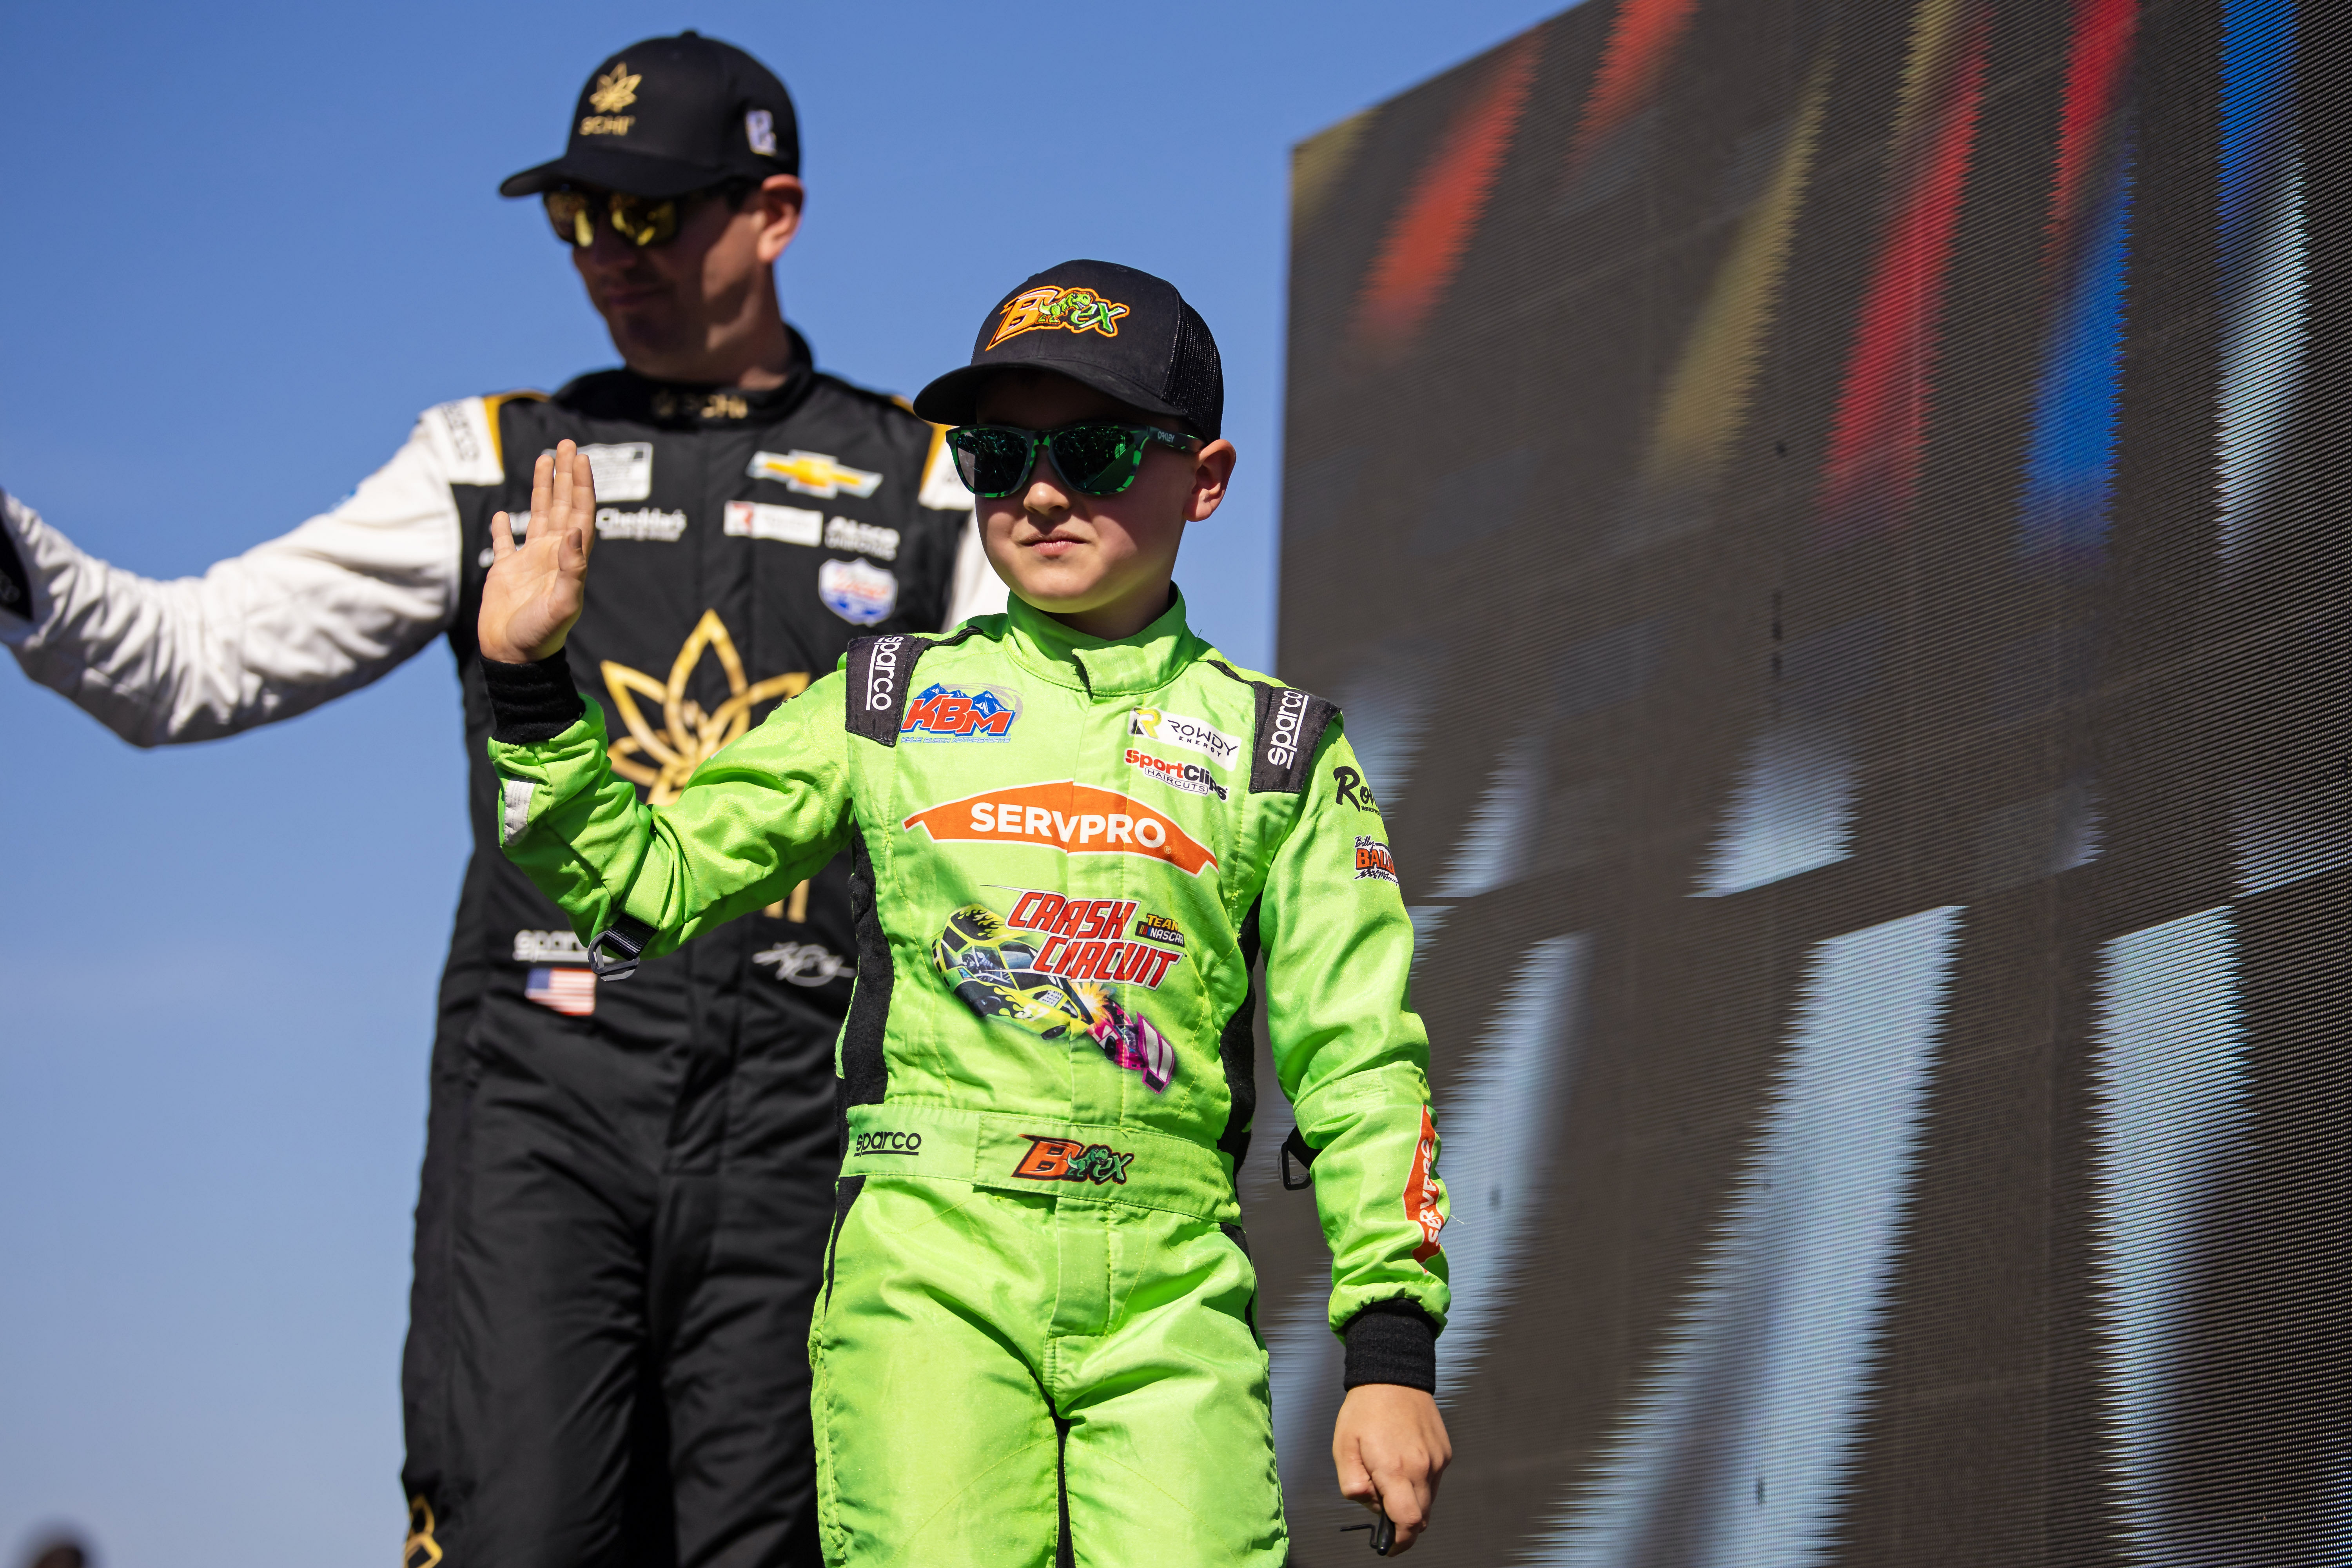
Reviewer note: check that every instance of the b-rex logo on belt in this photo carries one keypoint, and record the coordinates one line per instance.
(1067, 1160)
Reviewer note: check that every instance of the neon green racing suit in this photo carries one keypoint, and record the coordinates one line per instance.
(1038, 1336)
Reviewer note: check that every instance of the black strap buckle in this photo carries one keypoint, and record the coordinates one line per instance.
(1384, 1533)
(1294, 1147)
(625, 936)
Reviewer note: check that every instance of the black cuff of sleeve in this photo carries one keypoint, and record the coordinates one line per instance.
(16, 582)
(531, 702)
(1393, 1342)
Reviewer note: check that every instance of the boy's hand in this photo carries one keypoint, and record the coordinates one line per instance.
(536, 590)
(1390, 1447)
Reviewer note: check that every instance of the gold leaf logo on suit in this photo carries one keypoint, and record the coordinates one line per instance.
(662, 759)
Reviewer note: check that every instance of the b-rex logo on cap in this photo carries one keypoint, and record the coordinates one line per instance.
(1054, 307)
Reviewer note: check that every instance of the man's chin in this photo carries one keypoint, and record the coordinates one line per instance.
(648, 334)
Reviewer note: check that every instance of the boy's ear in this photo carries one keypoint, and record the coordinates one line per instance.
(1212, 470)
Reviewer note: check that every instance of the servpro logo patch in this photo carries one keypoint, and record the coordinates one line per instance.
(1424, 1192)
(1075, 819)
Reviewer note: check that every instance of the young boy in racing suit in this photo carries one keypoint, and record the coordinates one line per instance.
(1075, 828)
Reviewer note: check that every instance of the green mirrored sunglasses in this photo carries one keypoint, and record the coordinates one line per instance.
(1100, 457)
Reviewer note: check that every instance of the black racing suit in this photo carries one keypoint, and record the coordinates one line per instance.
(626, 1186)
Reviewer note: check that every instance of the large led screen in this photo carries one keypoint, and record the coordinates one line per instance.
(1821, 522)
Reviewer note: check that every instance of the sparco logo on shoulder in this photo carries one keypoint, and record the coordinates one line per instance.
(882, 673)
(1288, 714)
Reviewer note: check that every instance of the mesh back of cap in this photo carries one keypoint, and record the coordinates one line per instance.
(1196, 381)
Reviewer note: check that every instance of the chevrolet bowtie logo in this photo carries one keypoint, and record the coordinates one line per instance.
(813, 474)
(663, 759)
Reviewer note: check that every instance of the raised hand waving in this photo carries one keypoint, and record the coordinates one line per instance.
(537, 589)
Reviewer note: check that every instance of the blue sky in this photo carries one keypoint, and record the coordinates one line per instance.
(246, 244)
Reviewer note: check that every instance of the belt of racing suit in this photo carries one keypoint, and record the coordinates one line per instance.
(1075, 1161)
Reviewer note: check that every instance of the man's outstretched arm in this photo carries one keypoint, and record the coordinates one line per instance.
(289, 623)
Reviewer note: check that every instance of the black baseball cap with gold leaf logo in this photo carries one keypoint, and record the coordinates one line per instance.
(1114, 328)
(671, 115)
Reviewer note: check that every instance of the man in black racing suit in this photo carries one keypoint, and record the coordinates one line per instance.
(627, 1187)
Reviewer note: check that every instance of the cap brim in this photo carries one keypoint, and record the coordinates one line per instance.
(633, 173)
(951, 399)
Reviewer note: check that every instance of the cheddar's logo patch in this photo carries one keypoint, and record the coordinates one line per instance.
(1075, 819)
(1055, 309)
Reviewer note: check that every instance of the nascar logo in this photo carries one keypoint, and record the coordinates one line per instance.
(813, 474)
(1075, 819)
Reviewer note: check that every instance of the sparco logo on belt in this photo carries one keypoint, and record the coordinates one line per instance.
(882, 673)
(881, 1143)
(1288, 713)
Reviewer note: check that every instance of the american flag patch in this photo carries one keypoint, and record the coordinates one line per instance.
(568, 990)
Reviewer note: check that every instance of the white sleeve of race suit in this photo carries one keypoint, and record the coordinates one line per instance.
(977, 590)
(263, 635)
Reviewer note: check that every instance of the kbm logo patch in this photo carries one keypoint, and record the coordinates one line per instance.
(879, 1142)
(1373, 860)
(1067, 1160)
(951, 713)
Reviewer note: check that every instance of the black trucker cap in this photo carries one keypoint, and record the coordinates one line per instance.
(672, 115)
(1118, 330)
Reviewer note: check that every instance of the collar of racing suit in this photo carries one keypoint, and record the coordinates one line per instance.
(1097, 666)
(626, 393)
